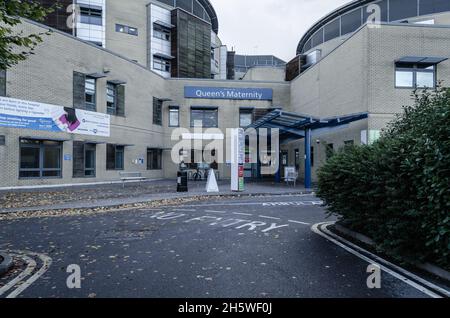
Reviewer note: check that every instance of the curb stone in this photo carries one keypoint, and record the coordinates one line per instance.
(6, 263)
(206, 196)
(430, 268)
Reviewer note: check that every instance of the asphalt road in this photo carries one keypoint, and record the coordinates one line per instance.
(250, 248)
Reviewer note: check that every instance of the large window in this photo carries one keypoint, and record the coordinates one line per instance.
(162, 64)
(206, 117)
(161, 32)
(111, 99)
(157, 111)
(90, 93)
(91, 15)
(415, 75)
(174, 116)
(115, 157)
(40, 159)
(154, 159)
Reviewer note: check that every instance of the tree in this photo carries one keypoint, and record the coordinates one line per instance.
(16, 46)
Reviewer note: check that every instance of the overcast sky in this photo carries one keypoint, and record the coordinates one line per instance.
(268, 26)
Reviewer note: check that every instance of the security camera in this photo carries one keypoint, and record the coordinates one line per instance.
(318, 141)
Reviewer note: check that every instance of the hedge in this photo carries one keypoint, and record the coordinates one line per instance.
(397, 190)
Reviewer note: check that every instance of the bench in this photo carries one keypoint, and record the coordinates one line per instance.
(131, 176)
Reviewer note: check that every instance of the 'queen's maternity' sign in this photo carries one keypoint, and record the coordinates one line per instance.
(228, 93)
(16, 113)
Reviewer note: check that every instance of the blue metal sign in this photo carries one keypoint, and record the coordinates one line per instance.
(228, 93)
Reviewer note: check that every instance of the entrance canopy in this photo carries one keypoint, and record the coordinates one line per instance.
(294, 126)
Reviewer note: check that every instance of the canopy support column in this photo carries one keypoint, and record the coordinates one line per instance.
(308, 158)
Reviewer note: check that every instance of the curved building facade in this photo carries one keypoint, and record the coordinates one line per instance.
(345, 20)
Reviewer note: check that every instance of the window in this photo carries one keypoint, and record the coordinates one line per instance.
(162, 64)
(154, 159)
(329, 151)
(111, 102)
(402, 9)
(91, 15)
(40, 159)
(245, 118)
(351, 21)
(2, 83)
(174, 116)
(207, 117)
(157, 111)
(115, 157)
(84, 159)
(415, 75)
(126, 29)
(90, 93)
(2, 140)
(161, 32)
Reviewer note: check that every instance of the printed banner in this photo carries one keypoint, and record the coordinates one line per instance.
(16, 113)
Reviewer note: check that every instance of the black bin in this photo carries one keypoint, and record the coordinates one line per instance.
(182, 181)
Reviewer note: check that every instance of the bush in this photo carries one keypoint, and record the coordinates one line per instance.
(397, 191)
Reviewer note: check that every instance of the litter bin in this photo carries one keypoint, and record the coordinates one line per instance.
(182, 181)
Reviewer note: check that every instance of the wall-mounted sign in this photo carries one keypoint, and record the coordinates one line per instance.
(228, 93)
(16, 113)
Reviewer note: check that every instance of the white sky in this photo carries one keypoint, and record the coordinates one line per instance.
(269, 26)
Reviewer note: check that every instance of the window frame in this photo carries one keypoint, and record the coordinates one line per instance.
(203, 110)
(177, 110)
(151, 152)
(414, 69)
(161, 64)
(90, 147)
(157, 111)
(245, 112)
(90, 106)
(41, 146)
(113, 87)
(91, 15)
(126, 29)
(162, 33)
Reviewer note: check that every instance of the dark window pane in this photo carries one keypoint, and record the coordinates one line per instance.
(402, 9)
(317, 39)
(351, 21)
(332, 30)
(120, 157)
(29, 174)
(185, 4)
(51, 174)
(29, 158)
(434, 6)
(168, 2)
(89, 159)
(52, 158)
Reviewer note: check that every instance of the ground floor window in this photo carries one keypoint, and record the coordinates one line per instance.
(207, 117)
(154, 159)
(115, 157)
(40, 159)
(161, 64)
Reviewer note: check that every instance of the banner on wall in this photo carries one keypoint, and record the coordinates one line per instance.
(16, 113)
(228, 93)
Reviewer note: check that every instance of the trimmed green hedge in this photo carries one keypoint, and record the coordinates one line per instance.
(397, 191)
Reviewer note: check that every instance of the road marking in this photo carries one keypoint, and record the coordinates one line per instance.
(298, 222)
(295, 203)
(31, 266)
(211, 211)
(376, 260)
(269, 217)
(244, 214)
(184, 210)
(47, 262)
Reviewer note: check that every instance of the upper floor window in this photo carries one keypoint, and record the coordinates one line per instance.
(174, 116)
(157, 111)
(409, 75)
(90, 93)
(126, 29)
(161, 32)
(111, 101)
(161, 64)
(91, 15)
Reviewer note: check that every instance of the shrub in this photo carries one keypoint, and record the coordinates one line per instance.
(397, 191)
